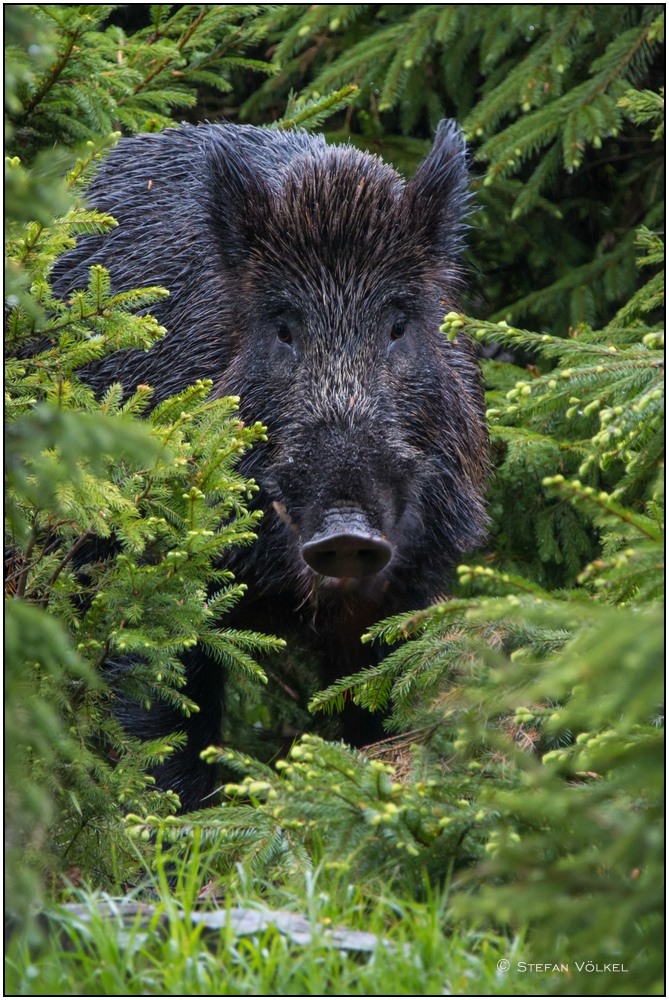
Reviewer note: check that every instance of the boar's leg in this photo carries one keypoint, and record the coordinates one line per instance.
(183, 771)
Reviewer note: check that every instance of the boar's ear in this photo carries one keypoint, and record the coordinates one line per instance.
(239, 199)
(436, 196)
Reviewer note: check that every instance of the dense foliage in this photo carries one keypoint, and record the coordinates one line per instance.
(523, 767)
(81, 471)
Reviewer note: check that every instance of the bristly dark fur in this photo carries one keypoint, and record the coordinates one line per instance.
(292, 265)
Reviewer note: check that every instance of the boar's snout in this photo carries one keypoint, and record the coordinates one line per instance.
(346, 546)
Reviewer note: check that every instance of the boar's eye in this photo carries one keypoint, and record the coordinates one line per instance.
(398, 328)
(283, 334)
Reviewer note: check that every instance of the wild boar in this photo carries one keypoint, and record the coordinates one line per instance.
(309, 280)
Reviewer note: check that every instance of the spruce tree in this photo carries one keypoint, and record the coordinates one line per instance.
(114, 525)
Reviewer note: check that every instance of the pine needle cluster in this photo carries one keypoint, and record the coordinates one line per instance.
(84, 76)
(115, 531)
(327, 805)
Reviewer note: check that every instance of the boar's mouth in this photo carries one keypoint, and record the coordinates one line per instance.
(346, 546)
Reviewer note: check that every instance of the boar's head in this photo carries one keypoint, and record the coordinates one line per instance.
(341, 273)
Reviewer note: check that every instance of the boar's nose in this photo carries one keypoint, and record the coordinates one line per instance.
(346, 546)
